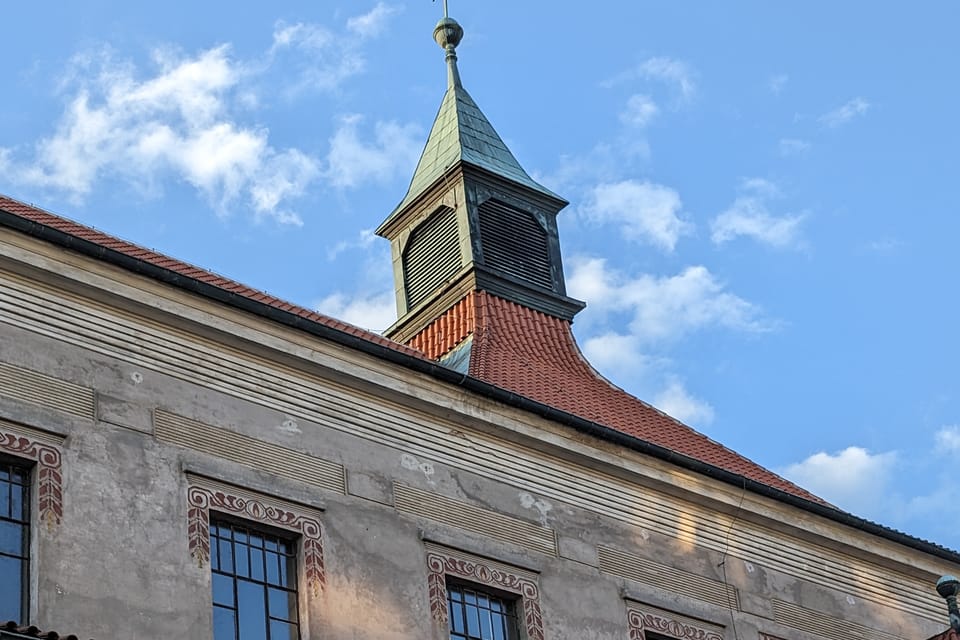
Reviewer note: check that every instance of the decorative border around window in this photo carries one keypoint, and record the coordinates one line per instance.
(663, 623)
(49, 461)
(442, 563)
(205, 495)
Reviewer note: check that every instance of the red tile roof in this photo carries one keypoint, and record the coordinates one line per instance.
(514, 347)
(949, 634)
(149, 256)
(535, 355)
(32, 632)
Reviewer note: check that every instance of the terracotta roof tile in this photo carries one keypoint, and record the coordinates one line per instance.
(32, 632)
(515, 348)
(949, 634)
(535, 355)
(45, 218)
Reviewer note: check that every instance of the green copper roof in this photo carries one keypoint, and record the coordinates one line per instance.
(461, 133)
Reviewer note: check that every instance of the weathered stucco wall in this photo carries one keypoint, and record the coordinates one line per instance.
(145, 394)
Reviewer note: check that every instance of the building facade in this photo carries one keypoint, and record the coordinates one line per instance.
(184, 457)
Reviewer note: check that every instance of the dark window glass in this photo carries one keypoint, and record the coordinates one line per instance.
(254, 584)
(14, 542)
(478, 615)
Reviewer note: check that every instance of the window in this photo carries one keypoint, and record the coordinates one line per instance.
(14, 541)
(480, 615)
(254, 575)
(474, 598)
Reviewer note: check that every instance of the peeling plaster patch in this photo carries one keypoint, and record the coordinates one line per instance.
(410, 462)
(137, 377)
(749, 566)
(644, 534)
(539, 504)
(59, 590)
(851, 600)
(290, 426)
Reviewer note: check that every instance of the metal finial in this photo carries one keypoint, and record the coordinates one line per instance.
(446, 11)
(448, 33)
(949, 588)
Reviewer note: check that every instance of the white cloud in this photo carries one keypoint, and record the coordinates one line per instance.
(644, 211)
(845, 113)
(948, 439)
(853, 479)
(650, 314)
(640, 111)
(351, 161)
(178, 122)
(777, 82)
(319, 58)
(375, 312)
(793, 146)
(761, 187)
(372, 23)
(664, 309)
(675, 72)
(677, 402)
(605, 162)
(615, 352)
(302, 36)
(749, 216)
(184, 120)
(365, 240)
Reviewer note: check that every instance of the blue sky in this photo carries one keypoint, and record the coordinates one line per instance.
(763, 196)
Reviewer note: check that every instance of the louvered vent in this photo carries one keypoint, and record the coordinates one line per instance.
(432, 256)
(515, 243)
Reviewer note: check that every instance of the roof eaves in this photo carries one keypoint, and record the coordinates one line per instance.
(12, 630)
(415, 361)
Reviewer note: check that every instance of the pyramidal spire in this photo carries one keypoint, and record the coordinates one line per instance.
(461, 132)
(472, 219)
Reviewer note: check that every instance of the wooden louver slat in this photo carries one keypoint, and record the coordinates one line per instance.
(432, 256)
(515, 243)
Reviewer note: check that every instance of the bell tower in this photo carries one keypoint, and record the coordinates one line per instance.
(472, 219)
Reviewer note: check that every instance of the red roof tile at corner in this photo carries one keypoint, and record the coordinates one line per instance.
(10, 629)
(77, 230)
(535, 355)
(546, 366)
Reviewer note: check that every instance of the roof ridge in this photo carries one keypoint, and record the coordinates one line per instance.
(109, 242)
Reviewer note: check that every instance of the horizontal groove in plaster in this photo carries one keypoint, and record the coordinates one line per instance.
(463, 515)
(671, 579)
(32, 434)
(264, 456)
(146, 343)
(821, 624)
(46, 391)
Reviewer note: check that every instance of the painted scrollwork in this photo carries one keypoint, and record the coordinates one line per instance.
(440, 566)
(49, 473)
(202, 499)
(640, 622)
